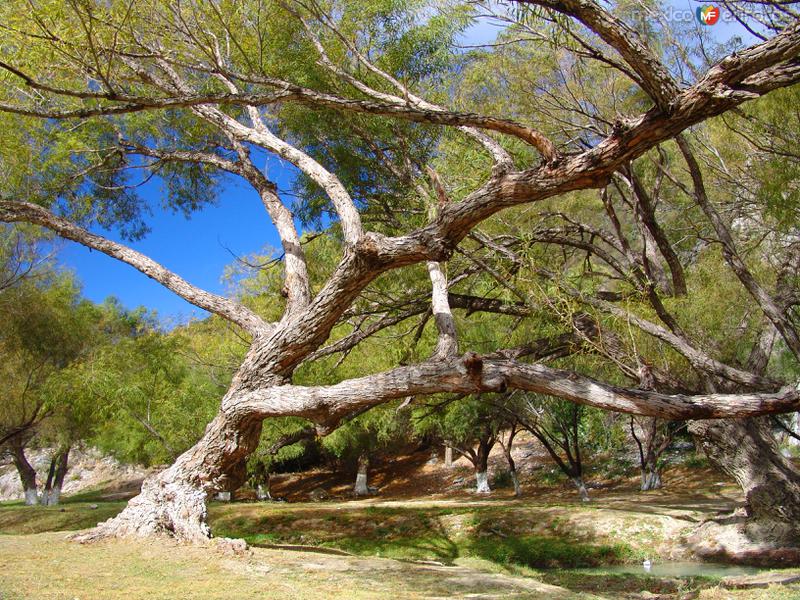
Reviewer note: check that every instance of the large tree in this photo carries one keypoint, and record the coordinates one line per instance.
(353, 95)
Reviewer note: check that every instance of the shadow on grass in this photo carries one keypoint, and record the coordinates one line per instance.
(617, 584)
(561, 550)
(386, 532)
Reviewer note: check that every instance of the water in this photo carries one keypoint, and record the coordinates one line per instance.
(683, 569)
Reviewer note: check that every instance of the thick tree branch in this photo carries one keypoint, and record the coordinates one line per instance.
(472, 374)
(653, 75)
(11, 212)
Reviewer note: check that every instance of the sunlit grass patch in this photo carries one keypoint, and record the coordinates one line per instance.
(21, 519)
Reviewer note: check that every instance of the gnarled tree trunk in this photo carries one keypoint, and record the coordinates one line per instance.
(27, 474)
(746, 450)
(173, 502)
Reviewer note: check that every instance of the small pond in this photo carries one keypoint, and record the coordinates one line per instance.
(682, 569)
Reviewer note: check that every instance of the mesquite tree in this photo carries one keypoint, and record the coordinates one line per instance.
(354, 96)
(652, 440)
(46, 329)
(558, 426)
(471, 427)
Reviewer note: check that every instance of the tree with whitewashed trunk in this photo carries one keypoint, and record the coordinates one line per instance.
(282, 440)
(363, 437)
(559, 427)
(46, 330)
(652, 437)
(353, 95)
(507, 443)
(471, 426)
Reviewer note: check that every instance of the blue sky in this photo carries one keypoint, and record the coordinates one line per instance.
(199, 248)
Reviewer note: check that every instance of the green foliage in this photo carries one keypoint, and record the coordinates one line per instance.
(155, 403)
(47, 328)
(461, 422)
(502, 479)
(377, 429)
(772, 126)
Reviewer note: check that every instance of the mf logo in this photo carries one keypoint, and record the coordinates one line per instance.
(708, 15)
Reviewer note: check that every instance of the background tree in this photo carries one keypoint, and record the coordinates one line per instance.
(652, 437)
(560, 428)
(46, 328)
(357, 440)
(471, 426)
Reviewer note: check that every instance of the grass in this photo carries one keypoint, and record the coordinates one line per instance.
(422, 533)
(440, 533)
(548, 552)
(15, 518)
(45, 566)
(535, 543)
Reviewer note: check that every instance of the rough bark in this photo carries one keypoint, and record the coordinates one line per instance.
(173, 502)
(27, 474)
(745, 449)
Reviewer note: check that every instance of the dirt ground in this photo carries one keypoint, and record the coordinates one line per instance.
(421, 473)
